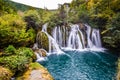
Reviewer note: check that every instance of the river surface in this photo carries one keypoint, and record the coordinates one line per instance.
(85, 65)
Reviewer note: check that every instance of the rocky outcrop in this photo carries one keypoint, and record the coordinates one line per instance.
(41, 52)
(36, 72)
(42, 40)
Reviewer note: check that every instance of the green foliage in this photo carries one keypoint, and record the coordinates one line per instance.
(13, 31)
(34, 15)
(6, 8)
(10, 50)
(113, 33)
(23, 51)
(19, 60)
(14, 62)
(35, 65)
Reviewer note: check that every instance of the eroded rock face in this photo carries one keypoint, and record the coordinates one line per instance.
(36, 72)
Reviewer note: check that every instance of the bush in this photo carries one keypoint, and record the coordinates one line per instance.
(27, 52)
(18, 60)
(10, 50)
(14, 62)
(112, 36)
(13, 31)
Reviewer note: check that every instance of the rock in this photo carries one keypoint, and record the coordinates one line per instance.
(42, 40)
(81, 26)
(35, 75)
(41, 52)
(36, 72)
(44, 53)
(5, 74)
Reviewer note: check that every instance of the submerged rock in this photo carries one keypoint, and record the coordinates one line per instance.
(36, 72)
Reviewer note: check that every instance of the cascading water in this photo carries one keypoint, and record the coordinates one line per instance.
(75, 39)
(53, 46)
(72, 37)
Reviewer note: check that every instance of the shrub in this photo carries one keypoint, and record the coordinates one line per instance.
(18, 60)
(10, 50)
(27, 52)
(14, 62)
(13, 31)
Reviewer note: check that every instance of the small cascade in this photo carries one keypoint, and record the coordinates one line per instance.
(53, 46)
(75, 41)
(88, 32)
(96, 38)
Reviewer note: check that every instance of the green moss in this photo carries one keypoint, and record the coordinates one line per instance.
(10, 50)
(35, 65)
(43, 40)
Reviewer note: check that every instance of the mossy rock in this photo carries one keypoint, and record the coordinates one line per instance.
(42, 40)
(5, 74)
(36, 72)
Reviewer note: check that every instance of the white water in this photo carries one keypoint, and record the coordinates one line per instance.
(53, 46)
(73, 37)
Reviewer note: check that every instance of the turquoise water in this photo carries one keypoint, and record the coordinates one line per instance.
(87, 65)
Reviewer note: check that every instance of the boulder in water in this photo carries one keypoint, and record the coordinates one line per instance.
(41, 52)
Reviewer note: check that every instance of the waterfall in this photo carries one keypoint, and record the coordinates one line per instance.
(74, 40)
(89, 41)
(53, 46)
(73, 37)
(96, 38)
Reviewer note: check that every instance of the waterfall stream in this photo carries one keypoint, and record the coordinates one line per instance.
(72, 37)
(75, 38)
